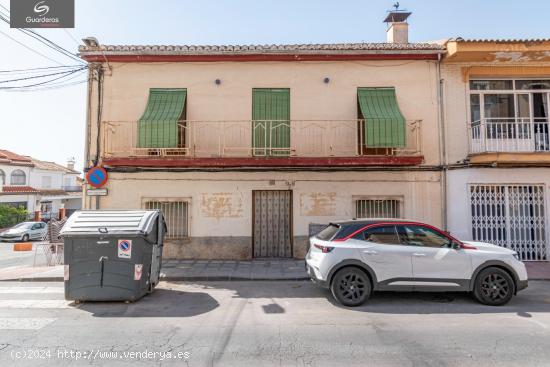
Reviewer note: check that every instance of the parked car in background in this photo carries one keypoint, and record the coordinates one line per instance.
(24, 231)
(354, 258)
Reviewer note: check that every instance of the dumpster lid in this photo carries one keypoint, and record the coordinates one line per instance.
(110, 221)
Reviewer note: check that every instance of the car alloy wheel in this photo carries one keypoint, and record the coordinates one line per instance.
(494, 287)
(351, 286)
(25, 238)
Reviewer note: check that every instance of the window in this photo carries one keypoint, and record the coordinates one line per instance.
(491, 84)
(378, 208)
(176, 217)
(422, 236)
(384, 234)
(46, 182)
(271, 122)
(2, 177)
(18, 177)
(328, 232)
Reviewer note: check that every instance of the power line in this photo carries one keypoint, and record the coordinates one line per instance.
(48, 87)
(37, 70)
(38, 37)
(42, 83)
(30, 49)
(39, 76)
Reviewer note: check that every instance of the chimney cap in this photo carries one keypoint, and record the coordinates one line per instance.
(397, 16)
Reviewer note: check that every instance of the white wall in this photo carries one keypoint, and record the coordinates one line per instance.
(8, 169)
(458, 197)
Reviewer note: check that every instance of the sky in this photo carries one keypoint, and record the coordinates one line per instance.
(49, 125)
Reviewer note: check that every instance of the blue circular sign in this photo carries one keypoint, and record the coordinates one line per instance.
(96, 177)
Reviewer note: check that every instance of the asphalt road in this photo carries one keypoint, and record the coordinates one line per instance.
(271, 324)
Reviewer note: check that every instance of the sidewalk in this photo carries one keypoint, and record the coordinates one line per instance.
(185, 270)
(213, 270)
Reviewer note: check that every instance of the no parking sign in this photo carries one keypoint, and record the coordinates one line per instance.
(125, 249)
(96, 177)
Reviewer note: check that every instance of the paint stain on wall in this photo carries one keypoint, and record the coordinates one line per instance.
(318, 204)
(221, 205)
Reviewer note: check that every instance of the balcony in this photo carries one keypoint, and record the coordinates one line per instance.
(263, 143)
(509, 140)
(72, 188)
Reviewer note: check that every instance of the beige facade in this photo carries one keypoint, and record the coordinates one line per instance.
(218, 207)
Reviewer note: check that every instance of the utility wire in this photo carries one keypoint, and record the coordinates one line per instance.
(40, 76)
(37, 70)
(30, 49)
(41, 83)
(43, 40)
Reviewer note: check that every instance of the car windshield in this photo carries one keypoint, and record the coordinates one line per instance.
(24, 225)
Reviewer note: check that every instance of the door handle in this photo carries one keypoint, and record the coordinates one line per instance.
(370, 252)
(419, 254)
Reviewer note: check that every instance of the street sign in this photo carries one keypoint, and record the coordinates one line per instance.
(96, 177)
(97, 192)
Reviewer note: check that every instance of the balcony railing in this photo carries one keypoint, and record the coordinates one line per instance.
(295, 138)
(522, 135)
(72, 188)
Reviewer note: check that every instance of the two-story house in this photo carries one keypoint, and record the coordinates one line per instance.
(497, 148)
(245, 147)
(38, 185)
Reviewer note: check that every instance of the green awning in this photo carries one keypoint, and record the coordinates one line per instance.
(384, 124)
(158, 126)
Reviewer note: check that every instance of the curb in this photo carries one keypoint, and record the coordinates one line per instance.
(173, 279)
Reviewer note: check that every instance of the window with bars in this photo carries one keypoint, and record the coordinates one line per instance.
(378, 208)
(175, 214)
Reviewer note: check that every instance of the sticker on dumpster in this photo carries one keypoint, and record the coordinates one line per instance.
(138, 269)
(125, 249)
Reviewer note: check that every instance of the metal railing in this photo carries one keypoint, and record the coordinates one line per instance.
(265, 138)
(509, 135)
(72, 188)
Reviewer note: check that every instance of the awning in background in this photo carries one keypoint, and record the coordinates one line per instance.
(158, 126)
(384, 124)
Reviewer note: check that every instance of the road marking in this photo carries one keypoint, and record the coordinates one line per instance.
(24, 323)
(23, 290)
(35, 303)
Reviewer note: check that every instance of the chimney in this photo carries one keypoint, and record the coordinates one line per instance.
(70, 163)
(398, 28)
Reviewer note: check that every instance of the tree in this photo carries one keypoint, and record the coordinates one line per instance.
(10, 216)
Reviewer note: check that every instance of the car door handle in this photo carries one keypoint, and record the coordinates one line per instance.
(419, 254)
(370, 252)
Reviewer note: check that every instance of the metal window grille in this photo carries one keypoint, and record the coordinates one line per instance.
(512, 216)
(176, 217)
(378, 208)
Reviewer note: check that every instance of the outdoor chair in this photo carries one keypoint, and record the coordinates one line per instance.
(51, 245)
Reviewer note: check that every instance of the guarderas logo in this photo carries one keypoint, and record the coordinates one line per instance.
(41, 9)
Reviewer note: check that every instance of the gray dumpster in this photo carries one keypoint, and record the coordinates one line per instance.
(112, 255)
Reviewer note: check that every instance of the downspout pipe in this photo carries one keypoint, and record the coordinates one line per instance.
(442, 144)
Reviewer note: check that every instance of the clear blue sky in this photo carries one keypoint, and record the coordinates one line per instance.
(50, 125)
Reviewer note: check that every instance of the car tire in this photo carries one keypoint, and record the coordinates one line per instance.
(25, 238)
(351, 286)
(494, 287)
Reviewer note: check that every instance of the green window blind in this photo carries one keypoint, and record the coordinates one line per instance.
(158, 126)
(271, 121)
(384, 124)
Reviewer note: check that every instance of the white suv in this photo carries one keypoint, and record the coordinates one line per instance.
(354, 258)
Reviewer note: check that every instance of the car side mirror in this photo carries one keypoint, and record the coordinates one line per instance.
(455, 245)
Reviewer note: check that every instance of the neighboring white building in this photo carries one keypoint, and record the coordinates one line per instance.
(39, 185)
(497, 94)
